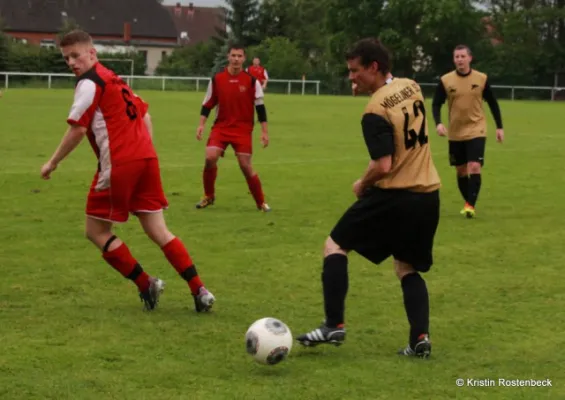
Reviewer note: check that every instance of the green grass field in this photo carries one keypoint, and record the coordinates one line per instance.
(72, 328)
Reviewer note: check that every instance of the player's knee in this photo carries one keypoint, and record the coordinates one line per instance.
(402, 269)
(158, 233)
(462, 170)
(331, 247)
(474, 168)
(246, 168)
(211, 161)
(161, 238)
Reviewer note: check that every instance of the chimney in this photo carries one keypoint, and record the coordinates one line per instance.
(127, 32)
(190, 11)
(178, 10)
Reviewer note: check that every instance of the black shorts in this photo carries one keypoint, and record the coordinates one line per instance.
(462, 152)
(391, 222)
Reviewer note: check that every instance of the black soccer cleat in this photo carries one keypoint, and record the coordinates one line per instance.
(422, 349)
(150, 297)
(323, 334)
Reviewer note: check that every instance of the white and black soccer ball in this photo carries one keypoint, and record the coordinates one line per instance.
(268, 341)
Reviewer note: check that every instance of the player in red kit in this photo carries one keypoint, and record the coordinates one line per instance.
(237, 95)
(259, 72)
(128, 178)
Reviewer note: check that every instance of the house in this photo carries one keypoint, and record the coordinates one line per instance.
(115, 25)
(196, 24)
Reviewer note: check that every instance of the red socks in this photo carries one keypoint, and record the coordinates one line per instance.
(123, 262)
(209, 178)
(179, 258)
(256, 190)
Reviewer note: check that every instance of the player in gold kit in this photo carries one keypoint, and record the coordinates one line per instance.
(465, 88)
(397, 208)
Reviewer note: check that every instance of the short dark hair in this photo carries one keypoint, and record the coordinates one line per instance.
(235, 46)
(370, 50)
(463, 47)
(74, 37)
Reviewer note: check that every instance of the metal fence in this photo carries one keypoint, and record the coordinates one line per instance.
(140, 82)
(287, 86)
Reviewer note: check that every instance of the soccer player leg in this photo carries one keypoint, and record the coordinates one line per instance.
(418, 219)
(458, 159)
(335, 283)
(349, 234)
(243, 150)
(475, 157)
(148, 203)
(105, 206)
(215, 149)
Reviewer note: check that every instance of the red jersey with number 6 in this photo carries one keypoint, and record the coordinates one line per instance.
(113, 114)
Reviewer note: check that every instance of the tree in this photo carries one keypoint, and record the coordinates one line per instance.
(190, 60)
(282, 57)
(4, 46)
(240, 17)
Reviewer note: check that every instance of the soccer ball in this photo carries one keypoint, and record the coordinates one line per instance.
(268, 341)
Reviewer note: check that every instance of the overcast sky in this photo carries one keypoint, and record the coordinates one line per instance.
(203, 3)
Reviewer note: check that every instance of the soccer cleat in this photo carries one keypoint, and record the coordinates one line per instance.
(204, 300)
(422, 349)
(323, 334)
(468, 211)
(150, 297)
(205, 202)
(264, 207)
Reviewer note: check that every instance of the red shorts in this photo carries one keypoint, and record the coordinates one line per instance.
(135, 187)
(242, 144)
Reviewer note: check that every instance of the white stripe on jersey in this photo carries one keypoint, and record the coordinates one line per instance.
(208, 95)
(258, 93)
(85, 93)
(84, 96)
(100, 132)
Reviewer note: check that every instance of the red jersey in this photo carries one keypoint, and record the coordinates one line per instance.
(235, 97)
(106, 106)
(258, 72)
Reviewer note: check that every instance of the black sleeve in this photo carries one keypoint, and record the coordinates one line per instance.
(439, 99)
(379, 136)
(488, 95)
(261, 112)
(205, 112)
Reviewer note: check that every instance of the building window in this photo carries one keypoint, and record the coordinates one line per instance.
(163, 55)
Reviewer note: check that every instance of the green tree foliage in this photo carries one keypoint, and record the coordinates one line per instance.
(241, 20)
(193, 60)
(283, 57)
